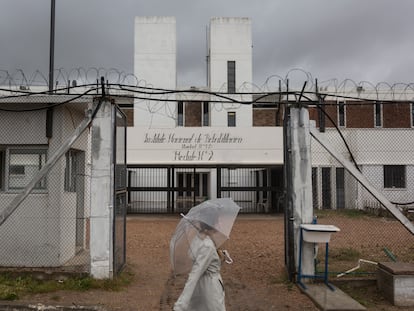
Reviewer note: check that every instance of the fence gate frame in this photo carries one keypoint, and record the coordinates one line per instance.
(108, 191)
(119, 161)
(171, 188)
(298, 181)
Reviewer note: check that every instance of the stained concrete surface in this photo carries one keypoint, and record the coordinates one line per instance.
(331, 300)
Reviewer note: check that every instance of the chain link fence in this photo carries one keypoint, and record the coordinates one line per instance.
(383, 152)
(50, 228)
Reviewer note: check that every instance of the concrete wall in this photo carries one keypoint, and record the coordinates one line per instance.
(23, 127)
(372, 148)
(42, 231)
(205, 145)
(375, 174)
(24, 236)
(69, 200)
(101, 196)
(155, 65)
(230, 39)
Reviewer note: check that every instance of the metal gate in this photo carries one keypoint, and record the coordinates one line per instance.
(120, 190)
(175, 189)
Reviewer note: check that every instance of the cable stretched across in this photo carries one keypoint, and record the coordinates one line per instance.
(75, 97)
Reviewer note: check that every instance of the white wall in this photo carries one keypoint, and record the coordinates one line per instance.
(230, 40)
(371, 148)
(102, 184)
(41, 231)
(375, 174)
(205, 145)
(24, 236)
(155, 65)
(68, 206)
(23, 127)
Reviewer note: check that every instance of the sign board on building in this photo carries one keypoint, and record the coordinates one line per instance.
(205, 145)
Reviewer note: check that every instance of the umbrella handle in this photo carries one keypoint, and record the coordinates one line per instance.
(227, 257)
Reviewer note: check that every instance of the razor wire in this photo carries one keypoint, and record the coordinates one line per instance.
(19, 79)
(158, 101)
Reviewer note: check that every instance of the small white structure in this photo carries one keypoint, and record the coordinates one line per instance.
(396, 281)
(57, 193)
(41, 232)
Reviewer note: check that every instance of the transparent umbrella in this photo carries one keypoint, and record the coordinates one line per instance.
(218, 214)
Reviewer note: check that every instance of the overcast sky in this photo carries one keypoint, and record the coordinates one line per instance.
(361, 40)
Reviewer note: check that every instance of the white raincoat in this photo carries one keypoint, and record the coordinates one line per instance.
(204, 289)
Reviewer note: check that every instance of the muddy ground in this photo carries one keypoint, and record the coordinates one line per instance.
(255, 281)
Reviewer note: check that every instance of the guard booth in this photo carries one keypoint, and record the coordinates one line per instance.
(63, 197)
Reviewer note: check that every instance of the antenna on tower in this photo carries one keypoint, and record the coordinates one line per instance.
(207, 57)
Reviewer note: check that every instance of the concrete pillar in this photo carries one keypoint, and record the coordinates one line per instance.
(213, 183)
(101, 218)
(301, 183)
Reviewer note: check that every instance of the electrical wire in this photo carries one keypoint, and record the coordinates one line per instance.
(48, 105)
(147, 92)
(341, 135)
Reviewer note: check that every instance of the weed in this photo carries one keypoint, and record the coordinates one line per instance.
(368, 296)
(345, 254)
(7, 293)
(55, 297)
(346, 212)
(11, 288)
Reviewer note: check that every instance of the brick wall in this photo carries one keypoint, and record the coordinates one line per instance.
(264, 117)
(129, 113)
(396, 115)
(359, 115)
(193, 114)
(330, 109)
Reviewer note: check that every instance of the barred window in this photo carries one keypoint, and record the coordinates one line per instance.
(23, 166)
(231, 119)
(206, 113)
(394, 176)
(341, 113)
(180, 113)
(378, 114)
(231, 76)
(2, 169)
(70, 171)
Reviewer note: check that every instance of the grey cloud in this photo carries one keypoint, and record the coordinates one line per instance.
(368, 39)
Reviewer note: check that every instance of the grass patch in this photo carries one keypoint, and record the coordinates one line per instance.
(344, 254)
(279, 278)
(349, 213)
(282, 280)
(12, 288)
